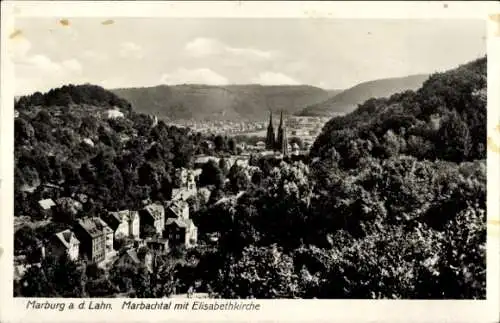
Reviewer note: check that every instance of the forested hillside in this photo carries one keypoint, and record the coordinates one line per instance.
(66, 137)
(401, 191)
(444, 119)
(347, 100)
(232, 102)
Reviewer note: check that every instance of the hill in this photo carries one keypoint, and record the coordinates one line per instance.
(347, 100)
(444, 119)
(233, 102)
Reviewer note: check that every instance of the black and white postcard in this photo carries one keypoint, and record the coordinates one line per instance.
(250, 161)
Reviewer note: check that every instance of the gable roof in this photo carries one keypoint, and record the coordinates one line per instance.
(177, 207)
(46, 204)
(181, 223)
(93, 226)
(67, 238)
(155, 209)
(114, 219)
(132, 254)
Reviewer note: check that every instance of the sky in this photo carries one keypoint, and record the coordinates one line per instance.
(328, 53)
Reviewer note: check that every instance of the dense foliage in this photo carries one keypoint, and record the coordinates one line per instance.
(392, 204)
(445, 119)
(118, 162)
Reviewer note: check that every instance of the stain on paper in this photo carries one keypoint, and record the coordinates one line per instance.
(64, 22)
(15, 34)
(496, 19)
(492, 145)
(108, 22)
(493, 227)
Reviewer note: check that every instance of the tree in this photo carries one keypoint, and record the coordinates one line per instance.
(238, 178)
(220, 143)
(455, 141)
(260, 272)
(211, 174)
(231, 146)
(56, 277)
(163, 276)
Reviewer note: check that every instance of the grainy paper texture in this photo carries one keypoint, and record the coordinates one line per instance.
(226, 161)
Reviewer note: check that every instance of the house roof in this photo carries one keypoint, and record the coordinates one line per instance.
(67, 238)
(155, 209)
(112, 219)
(88, 141)
(124, 215)
(202, 159)
(93, 226)
(114, 113)
(181, 223)
(177, 193)
(178, 206)
(105, 226)
(46, 204)
(132, 254)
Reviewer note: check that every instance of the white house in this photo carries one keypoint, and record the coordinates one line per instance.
(125, 223)
(114, 113)
(64, 242)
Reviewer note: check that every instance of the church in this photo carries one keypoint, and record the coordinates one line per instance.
(280, 142)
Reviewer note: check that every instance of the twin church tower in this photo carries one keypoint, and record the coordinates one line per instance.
(280, 142)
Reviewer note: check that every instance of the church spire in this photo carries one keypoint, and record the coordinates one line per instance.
(282, 142)
(270, 139)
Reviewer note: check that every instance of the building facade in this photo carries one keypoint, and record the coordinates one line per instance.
(152, 216)
(64, 243)
(124, 223)
(92, 237)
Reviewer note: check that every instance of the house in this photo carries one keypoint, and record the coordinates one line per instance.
(114, 113)
(200, 160)
(131, 257)
(181, 232)
(124, 223)
(178, 209)
(64, 242)
(260, 145)
(109, 237)
(152, 217)
(90, 232)
(186, 180)
(88, 141)
(46, 206)
(179, 194)
(157, 244)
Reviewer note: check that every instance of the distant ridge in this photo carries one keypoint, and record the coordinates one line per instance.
(231, 102)
(347, 100)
